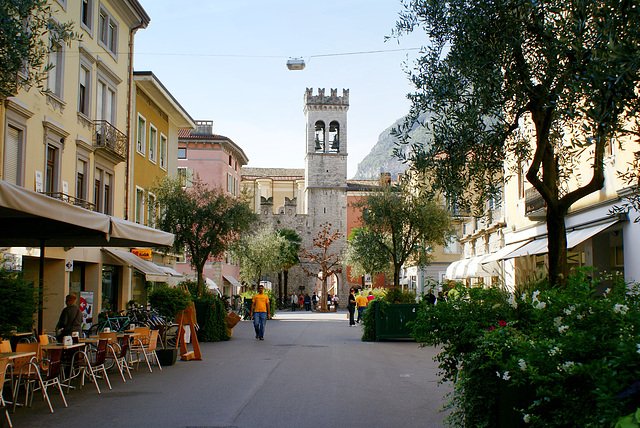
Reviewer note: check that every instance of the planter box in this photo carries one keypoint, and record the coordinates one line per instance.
(393, 323)
(167, 357)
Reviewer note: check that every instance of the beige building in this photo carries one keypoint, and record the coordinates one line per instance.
(510, 245)
(72, 144)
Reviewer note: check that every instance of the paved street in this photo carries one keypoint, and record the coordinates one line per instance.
(311, 370)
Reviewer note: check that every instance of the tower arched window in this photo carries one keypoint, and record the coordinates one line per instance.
(334, 137)
(319, 137)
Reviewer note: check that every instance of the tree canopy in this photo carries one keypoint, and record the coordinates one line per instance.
(322, 259)
(400, 226)
(204, 220)
(548, 84)
(260, 252)
(28, 33)
(362, 254)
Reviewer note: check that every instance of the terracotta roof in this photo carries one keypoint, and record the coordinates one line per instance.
(186, 134)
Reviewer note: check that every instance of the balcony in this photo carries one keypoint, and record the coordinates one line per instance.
(534, 206)
(109, 141)
(71, 200)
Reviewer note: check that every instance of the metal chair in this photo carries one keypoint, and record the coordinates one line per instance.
(86, 367)
(148, 350)
(121, 357)
(4, 364)
(30, 375)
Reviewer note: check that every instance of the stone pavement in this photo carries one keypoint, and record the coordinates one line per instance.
(312, 370)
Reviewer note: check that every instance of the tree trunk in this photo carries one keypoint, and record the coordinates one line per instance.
(323, 302)
(285, 276)
(557, 244)
(280, 287)
(200, 284)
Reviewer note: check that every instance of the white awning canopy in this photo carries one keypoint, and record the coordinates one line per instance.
(451, 270)
(237, 285)
(151, 271)
(574, 238)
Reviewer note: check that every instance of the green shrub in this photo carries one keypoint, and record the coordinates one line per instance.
(211, 314)
(573, 351)
(169, 301)
(19, 303)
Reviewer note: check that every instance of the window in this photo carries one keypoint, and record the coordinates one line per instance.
(84, 91)
(151, 210)
(319, 137)
(108, 31)
(55, 77)
(142, 133)
(139, 214)
(163, 151)
(97, 190)
(13, 156)
(182, 152)
(232, 185)
(81, 180)
(334, 137)
(108, 178)
(51, 175)
(185, 176)
(453, 246)
(86, 13)
(153, 143)
(106, 104)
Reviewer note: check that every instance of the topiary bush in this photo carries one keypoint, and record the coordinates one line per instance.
(169, 301)
(211, 314)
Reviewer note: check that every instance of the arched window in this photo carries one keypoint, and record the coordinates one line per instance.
(334, 137)
(319, 138)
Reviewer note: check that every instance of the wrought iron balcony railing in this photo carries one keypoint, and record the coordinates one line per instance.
(534, 205)
(108, 137)
(72, 200)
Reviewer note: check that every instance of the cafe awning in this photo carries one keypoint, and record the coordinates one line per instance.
(31, 219)
(151, 271)
(574, 238)
(234, 282)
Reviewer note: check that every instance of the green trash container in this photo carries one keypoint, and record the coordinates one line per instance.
(392, 324)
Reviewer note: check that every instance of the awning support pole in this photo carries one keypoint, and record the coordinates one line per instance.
(41, 289)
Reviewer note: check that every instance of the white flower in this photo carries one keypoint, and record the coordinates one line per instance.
(620, 309)
(562, 328)
(638, 346)
(540, 305)
(567, 365)
(557, 321)
(526, 418)
(607, 291)
(523, 364)
(499, 375)
(553, 351)
(579, 316)
(506, 376)
(512, 301)
(523, 297)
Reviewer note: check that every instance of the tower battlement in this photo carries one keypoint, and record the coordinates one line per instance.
(321, 98)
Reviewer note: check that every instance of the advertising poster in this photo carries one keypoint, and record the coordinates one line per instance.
(86, 306)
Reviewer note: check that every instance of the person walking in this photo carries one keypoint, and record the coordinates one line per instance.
(314, 301)
(294, 301)
(70, 319)
(301, 301)
(335, 302)
(260, 312)
(361, 303)
(307, 302)
(352, 308)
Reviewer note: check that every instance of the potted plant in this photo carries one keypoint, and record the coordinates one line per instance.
(168, 302)
(19, 301)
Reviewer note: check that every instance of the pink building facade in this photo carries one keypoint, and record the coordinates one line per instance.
(217, 161)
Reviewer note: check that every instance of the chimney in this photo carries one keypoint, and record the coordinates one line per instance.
(203, 127)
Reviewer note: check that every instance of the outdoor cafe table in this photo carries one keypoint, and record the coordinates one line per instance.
(62, 346)
(13, 355)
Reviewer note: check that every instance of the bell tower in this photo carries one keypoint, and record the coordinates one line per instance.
(326, 158)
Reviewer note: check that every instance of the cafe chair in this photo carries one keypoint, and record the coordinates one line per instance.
(46, 339)
(31, 376)
(4, 364)
(120, 356)
(111, 336)
(82, 365)
(144, 333)
(147, 350)
(5, 345)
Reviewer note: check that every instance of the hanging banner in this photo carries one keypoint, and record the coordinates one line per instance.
(143, 253)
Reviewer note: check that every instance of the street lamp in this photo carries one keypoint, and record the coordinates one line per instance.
(296, 64)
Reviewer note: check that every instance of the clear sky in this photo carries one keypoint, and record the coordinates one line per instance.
(226, 61)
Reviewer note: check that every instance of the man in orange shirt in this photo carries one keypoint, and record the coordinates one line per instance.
(260, 312)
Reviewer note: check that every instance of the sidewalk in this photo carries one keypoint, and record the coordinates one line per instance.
(311, 370)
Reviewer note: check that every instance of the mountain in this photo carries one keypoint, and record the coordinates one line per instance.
(381, 158)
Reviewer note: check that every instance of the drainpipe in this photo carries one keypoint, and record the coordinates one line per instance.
(129, 106)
